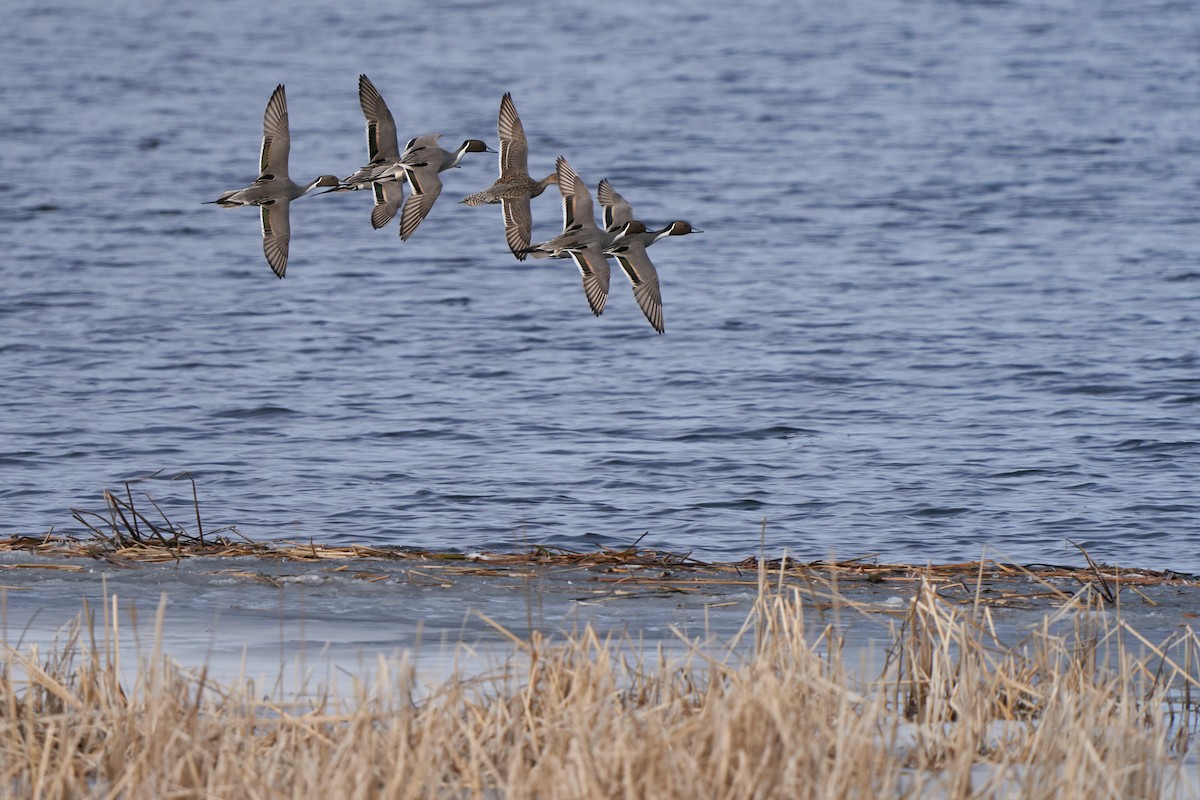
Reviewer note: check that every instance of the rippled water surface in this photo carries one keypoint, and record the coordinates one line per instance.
(947, 296)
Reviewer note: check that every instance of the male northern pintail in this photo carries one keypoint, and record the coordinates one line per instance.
(629, 248)
(581, 240)
(421, 162)
(379, 174)
(514, 188)
(274, 190)
(618, 211)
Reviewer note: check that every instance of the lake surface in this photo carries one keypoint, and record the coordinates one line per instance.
(947, 297)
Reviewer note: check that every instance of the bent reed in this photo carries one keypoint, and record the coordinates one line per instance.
(1081, 708)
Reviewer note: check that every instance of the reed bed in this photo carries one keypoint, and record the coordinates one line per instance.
(1083, 707)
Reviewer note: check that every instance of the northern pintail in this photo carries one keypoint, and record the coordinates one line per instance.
(514, 188)
(629, 248)
(421, 162)
(581, 240)
(618, 212)
(383, 152)
(274, 190)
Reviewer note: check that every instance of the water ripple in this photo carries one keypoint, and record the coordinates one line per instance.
(954, 305)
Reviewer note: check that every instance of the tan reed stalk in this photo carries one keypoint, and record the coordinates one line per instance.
(1081, 708)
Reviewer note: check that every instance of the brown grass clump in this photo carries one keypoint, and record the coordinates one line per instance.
(1083, 708)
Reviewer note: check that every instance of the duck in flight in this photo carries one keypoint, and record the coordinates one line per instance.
(514, 188)
(383, 151)
(274, 190)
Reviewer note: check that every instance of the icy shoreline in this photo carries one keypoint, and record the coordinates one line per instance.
(253, 616)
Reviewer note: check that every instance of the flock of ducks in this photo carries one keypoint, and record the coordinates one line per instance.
(419, 166)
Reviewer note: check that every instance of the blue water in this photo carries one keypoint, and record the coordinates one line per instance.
(947, 297)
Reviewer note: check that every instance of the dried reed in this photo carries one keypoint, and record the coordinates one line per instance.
(1082, 708)
(125, 532)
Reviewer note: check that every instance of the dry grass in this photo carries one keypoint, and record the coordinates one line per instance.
(1083, 708)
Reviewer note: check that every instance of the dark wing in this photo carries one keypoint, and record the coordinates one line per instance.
(578, 210)
(426, 186)
(514, 148)
(388, 196)
(641, 273)
(273, 160)
(276, 233)
(617, 210)
(518, 224)
(419, 149)
(381, 127)
(593, 266)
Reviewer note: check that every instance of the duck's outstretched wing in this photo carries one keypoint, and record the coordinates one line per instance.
(273, 159)
(276, 234)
